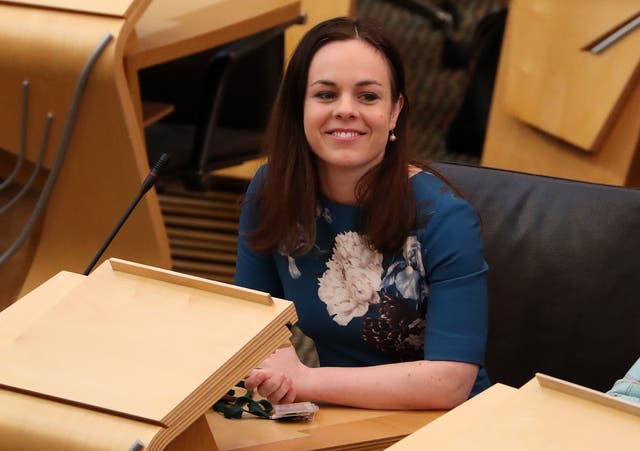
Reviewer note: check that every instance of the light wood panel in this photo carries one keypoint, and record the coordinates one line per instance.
(445, 432)
(118, 8)
(105, 161)
(334, 427)
(169, 29)
(536, 416)
(244, 171)
(513, 144)
(169, 346)
(53, 425)
(316, 12)
(553, 82)
(13, 272)
(154, 111)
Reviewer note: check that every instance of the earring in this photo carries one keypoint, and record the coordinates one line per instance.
(392, 136)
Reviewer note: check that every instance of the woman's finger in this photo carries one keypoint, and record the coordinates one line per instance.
(281, 394)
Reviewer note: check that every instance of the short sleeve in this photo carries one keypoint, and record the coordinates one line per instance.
(254, 270)
(457, 307)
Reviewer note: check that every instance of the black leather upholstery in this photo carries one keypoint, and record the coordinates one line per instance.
(564, 274)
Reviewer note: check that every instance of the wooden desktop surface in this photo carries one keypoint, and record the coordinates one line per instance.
(170, 29)
(334, 427)
(114, 8)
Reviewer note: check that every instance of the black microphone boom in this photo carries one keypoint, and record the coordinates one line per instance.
(147, 184)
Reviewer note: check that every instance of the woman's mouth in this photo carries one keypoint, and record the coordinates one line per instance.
(345, 134)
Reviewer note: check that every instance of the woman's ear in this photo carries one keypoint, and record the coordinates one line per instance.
(395, 111)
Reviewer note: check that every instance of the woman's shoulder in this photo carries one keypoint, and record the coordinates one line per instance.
(437, 199)
(261, 172)
(426, 184)
(258, 179)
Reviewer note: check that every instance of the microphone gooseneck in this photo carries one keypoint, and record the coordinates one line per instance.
(147, 184)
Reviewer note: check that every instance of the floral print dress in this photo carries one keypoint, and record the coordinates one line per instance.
(425, 301)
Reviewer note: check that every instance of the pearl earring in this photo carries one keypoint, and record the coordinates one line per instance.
(392, 136)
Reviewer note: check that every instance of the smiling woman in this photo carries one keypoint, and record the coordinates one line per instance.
(349, 113)
(381, 258)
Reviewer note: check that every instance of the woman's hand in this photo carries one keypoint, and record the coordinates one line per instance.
(278, 377)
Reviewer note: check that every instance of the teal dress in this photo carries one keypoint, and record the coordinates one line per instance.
(427, 300)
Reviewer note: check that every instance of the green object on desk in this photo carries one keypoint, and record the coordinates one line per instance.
(232, 406)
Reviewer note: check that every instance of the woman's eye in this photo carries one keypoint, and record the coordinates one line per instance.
(324, 95)
(369, 96)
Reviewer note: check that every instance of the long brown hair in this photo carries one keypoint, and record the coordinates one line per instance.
(287, 200)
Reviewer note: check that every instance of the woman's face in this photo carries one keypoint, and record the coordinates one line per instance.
(348, 109)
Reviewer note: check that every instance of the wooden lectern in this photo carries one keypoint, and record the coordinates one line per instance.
(129, 357)
(561, 107)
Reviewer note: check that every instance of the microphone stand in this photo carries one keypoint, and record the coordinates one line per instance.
(148, 183)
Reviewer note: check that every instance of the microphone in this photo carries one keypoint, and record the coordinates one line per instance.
(152, 178)
(147, 184)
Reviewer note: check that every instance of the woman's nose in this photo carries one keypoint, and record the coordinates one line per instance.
(345, 108)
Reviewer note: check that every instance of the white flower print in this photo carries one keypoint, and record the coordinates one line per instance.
(408, 276)
(294, 272)
(352, 279)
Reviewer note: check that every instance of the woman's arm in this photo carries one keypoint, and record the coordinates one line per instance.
(455, 323)
(423, 384)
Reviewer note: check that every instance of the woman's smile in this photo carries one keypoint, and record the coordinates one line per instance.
(348, 108)
(348, 135)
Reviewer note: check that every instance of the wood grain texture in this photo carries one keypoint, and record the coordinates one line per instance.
(554, 83)
(533, 417)
(116, 8)
(131, 342)
(588, 394)
(334, 427)
(105, 161)
(53, 425)
(513, 144)
(169, 29)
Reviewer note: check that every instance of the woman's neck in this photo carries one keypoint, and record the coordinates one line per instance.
(339, 186)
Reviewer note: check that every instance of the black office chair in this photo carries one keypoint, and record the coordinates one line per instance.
(222, 99)
(563, 274)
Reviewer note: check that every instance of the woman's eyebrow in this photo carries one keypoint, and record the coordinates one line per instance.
(323, 82)
(368, 82)
(360, 83)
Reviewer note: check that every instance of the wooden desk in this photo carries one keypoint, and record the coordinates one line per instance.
(334, 427)
(169, 30)
(48, 43)
(545, 413)
(130, 352)
(559, 110)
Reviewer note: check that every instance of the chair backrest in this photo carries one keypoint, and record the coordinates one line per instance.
(222, 99)
(564, 273)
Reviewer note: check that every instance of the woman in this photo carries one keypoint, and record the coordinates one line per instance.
(382, 260)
